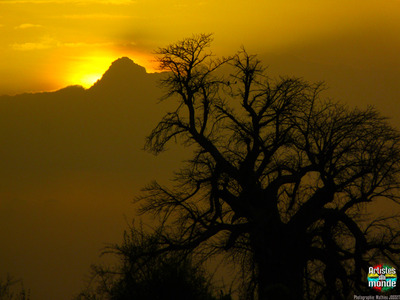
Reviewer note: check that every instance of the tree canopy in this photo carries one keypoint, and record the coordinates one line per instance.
(280, 178)
(12, 289)
(168, 276)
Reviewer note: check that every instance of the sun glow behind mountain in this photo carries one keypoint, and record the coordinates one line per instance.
(38, 38)
(86, 71)
(88, 80)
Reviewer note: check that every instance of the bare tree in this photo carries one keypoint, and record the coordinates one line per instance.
(143, 277)
(12, 289)
(280, 178)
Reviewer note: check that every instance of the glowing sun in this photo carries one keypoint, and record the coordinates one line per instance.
(85, 71)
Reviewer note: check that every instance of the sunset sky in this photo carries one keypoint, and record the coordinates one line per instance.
(48, 44)
(71, 165)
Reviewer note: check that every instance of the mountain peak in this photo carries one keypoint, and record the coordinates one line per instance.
(126, 63)
(122, 72)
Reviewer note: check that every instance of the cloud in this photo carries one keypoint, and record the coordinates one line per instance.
(30, 46)
(96, 16)
(81, 44)
(47, 43)
(117, 2)
(27, 25)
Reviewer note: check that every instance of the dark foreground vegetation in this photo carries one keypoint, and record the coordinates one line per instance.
(164, 276)
(12, 289)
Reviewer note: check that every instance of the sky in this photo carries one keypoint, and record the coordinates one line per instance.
(71, 161)
(48, 44)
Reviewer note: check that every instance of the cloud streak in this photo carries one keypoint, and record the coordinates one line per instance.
(115, 2)
(47, 43)
(82, 44)
(96, 16)
(27, 25)
(30, 46)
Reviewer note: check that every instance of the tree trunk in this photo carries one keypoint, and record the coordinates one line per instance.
(280, 262)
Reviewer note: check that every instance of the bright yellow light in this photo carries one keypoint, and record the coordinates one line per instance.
(86, 67)
(89, 79)
(85, 71)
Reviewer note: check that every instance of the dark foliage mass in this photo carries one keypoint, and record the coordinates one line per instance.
(12, 289)
(280, 179)
(168, 276)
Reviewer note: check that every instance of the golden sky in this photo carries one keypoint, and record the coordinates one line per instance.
(48, 44)
(71, 163)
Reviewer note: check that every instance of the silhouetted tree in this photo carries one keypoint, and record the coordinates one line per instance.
(12, 289)
(280, 178)
(167, 276)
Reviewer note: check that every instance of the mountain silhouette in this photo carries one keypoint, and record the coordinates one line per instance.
(123, 67)
(123, 75)
(74, 123)
(71, 161)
